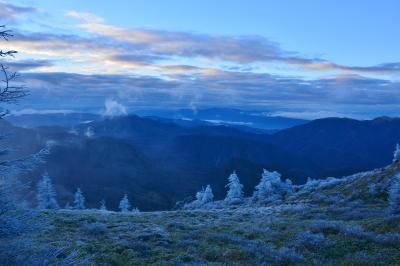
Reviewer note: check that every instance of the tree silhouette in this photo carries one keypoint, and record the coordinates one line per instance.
(9, 91)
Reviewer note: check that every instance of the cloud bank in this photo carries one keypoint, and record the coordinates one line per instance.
(169, 69)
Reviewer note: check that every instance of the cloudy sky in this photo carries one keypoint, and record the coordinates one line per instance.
(294, 58)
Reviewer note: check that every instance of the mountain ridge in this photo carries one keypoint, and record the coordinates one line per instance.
(187, 158)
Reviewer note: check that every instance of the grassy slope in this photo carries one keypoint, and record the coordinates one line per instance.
(355, 230)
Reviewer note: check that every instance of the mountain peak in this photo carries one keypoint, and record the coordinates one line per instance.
(387, 118)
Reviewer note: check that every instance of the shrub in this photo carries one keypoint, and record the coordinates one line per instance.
(388, 239)
(312, 241)
(265, 254)
(355, 231)
(327, 227)
(95, 228)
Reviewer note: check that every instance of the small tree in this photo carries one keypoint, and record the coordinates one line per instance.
(264, 188)
(289, 185)
(396, 154)
(394, 194)
(208, 195)
(200, 195)
(10, 186)
(271, 187)
(14, 220)
(235, 192)
(203, 197)
(103, 206)
(124, 204)
(46, 195)
(135, 210)
(79, 200)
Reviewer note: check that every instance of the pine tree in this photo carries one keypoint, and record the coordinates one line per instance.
(289, 185)
(203, 197)
(394, 194)
(396, 154)
(235, 192)
(79, 200)
(264, 189)
(271, 187)
(200, 195)
(103, 206)
(46, 195)
(124, 204)
(208, 195)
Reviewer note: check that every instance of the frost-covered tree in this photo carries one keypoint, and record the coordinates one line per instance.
(394, 194)
(124, 204)
(14, 219)
(396, 153)
(271, 187)
(135, 210)
(235, 189)
(264, 189)
(10, 187)
(203, 197)
(103, 206)
(46, 195)
(208, 195)
(289, 185)
(200, 195)
(79, 200)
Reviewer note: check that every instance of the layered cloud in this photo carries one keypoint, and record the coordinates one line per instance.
(126, 50)
(26, 65)
(244, 49)
(160, 44)
(143, 68)
(386, 68)
(234, 89)
(10, 12)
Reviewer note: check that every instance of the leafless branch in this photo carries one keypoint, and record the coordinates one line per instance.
(5, 34)
(9, 93)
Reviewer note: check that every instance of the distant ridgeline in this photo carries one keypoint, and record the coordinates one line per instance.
(334, 220)
(157, 162)
(381, 185)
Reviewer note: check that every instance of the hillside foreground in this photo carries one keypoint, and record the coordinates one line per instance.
(333, 222)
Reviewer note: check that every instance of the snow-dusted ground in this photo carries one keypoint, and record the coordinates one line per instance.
(332, 222)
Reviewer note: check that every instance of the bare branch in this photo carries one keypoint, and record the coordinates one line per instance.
(7, 53)
(5, 34)
(9, 93)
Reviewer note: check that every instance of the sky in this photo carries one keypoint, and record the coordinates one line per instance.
(303, 59)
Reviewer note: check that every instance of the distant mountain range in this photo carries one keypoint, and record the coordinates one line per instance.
(52, 119)
(229, 117)
(158, 162)
(338, 146)
(252, 121)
